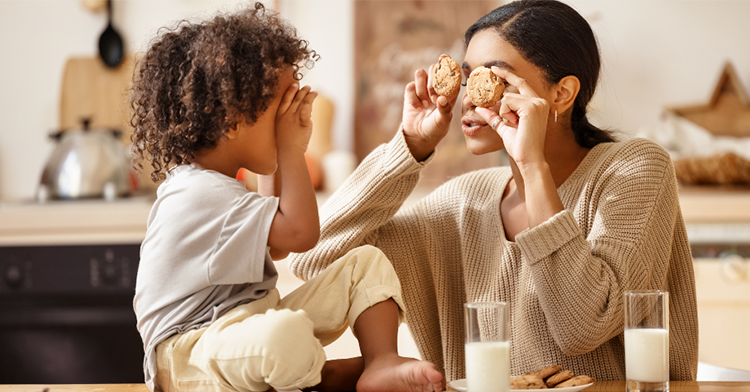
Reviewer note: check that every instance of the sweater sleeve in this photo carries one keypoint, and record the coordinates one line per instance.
(630, 223)
(368, 199)
(366, 210)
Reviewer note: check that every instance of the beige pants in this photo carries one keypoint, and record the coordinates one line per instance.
(273, 342)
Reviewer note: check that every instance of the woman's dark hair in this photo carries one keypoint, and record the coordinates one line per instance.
(197, 80)
(556, 39)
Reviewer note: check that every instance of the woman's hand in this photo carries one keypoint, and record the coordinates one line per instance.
(427, 115)
(523, 119)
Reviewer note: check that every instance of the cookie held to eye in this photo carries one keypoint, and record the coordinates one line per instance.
(446, 77)
(484, 87)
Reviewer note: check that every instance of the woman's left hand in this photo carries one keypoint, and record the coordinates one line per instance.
(523, 116)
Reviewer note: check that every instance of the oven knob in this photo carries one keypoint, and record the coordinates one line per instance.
(734, 268)
(13, 275)
(110, 272)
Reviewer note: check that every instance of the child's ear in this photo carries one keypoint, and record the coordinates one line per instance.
(232, 132)
(567, 91)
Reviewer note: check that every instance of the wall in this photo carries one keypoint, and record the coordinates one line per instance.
(38, 36)
(656, 53)
(663, 53)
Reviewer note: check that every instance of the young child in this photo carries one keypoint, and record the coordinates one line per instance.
(209, 99)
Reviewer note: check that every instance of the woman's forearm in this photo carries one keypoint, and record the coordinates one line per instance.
(542, 200)
(353, 215)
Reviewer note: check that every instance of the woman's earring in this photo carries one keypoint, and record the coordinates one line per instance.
(555, 115)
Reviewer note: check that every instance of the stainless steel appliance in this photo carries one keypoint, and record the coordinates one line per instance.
(66, 315)
(86, 163)
(66, 291)
(718, 226)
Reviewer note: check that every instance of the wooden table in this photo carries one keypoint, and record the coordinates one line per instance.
(599, 386)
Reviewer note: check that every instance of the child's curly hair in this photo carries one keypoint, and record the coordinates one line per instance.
(198, 80)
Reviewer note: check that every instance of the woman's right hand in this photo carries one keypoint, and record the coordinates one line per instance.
(427, 115)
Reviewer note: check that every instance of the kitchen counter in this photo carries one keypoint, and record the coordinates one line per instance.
(599, 386)
(710, 214)
(90, 221)
(127, 216)
(705, 204)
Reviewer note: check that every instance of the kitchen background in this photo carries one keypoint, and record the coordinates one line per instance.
(656, 54)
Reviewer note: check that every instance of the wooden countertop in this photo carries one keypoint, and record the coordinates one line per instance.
(705, 204)
(599, 386)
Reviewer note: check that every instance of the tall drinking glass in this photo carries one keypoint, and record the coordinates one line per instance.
(487, 347)
(647, 340)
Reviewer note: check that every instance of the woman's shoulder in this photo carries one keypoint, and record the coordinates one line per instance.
(638, 148)
(633, 164)
(635, 154)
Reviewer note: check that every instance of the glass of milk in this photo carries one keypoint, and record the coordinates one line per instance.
(646, 340)
(487, 347)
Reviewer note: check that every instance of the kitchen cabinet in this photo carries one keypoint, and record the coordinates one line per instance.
(66, 291)
(718, 225)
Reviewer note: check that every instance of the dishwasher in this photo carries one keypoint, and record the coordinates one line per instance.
(721, 259)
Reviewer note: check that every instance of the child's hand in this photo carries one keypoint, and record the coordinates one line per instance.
(294, 118)
(296, 226)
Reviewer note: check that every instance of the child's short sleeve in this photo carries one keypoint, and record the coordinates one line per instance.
(241, 248)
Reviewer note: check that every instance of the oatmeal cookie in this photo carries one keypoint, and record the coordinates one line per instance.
(575, 381)
(559, 377)
(547, 371)
(446, 77)
(527, 381)
(484, 87)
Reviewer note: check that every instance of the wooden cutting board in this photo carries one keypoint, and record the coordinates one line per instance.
(91, 90)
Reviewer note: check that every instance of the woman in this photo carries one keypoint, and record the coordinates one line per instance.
(576, 219)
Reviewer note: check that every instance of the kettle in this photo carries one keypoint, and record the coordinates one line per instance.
(86, 163)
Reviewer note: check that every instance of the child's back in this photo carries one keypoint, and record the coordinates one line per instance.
(205, 242)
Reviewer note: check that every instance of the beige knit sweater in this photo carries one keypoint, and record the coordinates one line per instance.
(621, 229)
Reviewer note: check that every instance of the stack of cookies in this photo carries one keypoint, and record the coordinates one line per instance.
(552, 376)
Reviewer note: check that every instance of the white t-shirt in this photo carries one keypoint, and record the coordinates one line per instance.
(205, 252)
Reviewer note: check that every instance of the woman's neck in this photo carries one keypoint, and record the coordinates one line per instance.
(562, 157)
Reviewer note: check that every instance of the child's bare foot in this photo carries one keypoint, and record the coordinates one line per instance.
(339, 375)
(393, 373)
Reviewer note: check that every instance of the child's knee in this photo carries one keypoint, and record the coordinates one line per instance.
(293, 356)
(369, 257)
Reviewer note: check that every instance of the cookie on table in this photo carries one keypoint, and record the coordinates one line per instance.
(547, 371)
(446, 77)
(575, 381)
(527, 381)
(559, 377)
(484, 87)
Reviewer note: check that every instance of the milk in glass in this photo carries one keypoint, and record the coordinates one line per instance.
(487, 366)
(647, 354)
(646, 340)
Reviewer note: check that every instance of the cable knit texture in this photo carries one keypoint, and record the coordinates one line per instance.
(621, 229)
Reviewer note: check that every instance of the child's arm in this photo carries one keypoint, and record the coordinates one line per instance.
(296, 227)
